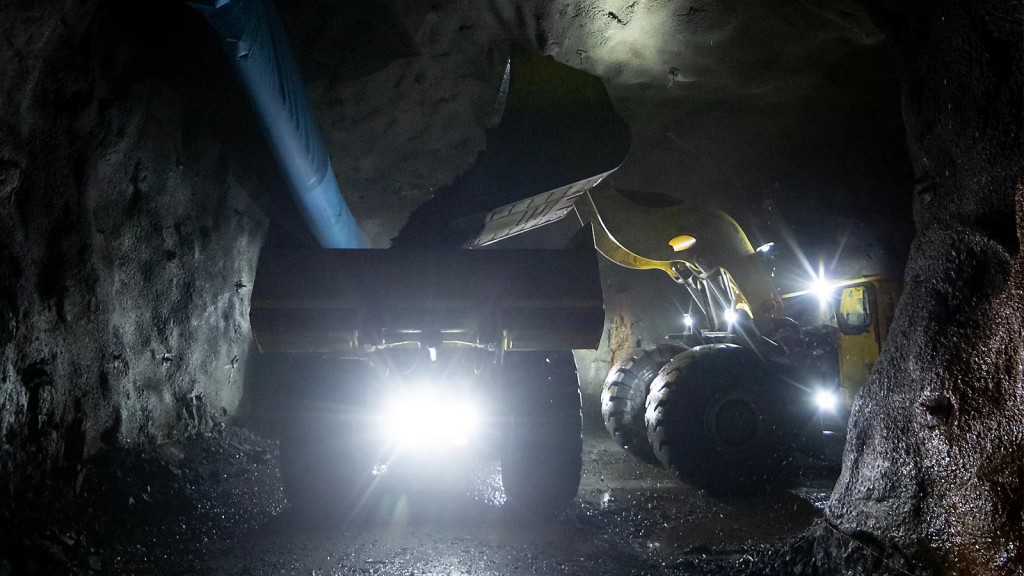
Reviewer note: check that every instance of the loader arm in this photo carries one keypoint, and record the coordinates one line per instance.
(610, 248)
(714, 291)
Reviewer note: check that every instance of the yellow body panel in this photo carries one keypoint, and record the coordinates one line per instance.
(725, 245)
(859, 339)
(863, 314)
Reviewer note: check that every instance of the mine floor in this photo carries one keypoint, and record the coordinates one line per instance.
(213, 505)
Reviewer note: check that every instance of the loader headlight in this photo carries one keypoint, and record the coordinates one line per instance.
(426, 418)
(822, 288)
(826, 400)
(730, 316)
(688, 321)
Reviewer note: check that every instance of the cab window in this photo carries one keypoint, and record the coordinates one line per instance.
(854, 314)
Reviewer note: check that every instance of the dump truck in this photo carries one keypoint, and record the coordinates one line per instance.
(428, 352)
(726, 401)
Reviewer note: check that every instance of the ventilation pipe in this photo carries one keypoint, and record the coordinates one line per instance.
(254, 40)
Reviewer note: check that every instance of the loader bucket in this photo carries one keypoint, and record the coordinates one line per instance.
(348, 301)
(557, 128)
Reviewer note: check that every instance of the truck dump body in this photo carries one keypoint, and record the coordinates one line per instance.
(349, 301)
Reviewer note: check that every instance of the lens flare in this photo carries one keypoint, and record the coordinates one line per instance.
(427, 418)
(826, 400)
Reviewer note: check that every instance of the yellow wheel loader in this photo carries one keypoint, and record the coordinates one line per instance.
(725, 402)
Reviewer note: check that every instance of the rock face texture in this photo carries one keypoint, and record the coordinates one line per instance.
(126, 251)
(934, 461)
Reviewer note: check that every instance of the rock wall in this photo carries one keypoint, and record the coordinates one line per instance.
(126, 248)
(934, 465)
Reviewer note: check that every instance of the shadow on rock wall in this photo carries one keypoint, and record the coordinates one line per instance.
(126, 250)
(933, 466)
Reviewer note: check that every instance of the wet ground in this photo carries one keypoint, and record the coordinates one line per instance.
(213, 505)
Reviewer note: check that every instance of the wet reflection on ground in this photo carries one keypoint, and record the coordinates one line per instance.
(629, 518)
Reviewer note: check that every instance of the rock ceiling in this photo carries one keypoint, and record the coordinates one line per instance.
(785, 114)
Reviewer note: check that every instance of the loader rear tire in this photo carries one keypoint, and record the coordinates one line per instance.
(624, 395)
(720, 419)
(542, 454)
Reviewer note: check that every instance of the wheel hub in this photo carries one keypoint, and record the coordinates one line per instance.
(733, 423)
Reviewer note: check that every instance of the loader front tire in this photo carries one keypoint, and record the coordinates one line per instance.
(624, 397)
(719, 419)
(542, 453)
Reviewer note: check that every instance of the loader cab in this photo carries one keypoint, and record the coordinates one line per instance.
(863, 315)
(842, 326)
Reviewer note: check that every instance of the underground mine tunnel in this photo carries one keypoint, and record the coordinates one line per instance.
(511, 287)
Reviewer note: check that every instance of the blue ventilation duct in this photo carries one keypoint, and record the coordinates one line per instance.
(254, 40)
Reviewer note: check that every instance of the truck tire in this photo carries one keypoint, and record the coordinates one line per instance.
(542, 453)
(320, 471)
(324, 465)
(718, 418)
(624, 396)
(315, 470)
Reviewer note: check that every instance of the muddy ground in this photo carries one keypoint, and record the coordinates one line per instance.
(212, 504)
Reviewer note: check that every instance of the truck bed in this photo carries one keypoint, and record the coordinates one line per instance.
(348, 301)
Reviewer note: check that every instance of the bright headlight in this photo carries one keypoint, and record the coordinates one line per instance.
(821, 288)
(826, 400)
(428, 418)
(730, 316)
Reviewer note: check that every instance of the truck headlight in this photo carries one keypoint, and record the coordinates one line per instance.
(428, 418)
(826, 400)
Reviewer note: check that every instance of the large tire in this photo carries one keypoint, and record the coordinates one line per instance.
(624, 397)
(721, 420)
(542, 453)
(323, 474)
(325, 464)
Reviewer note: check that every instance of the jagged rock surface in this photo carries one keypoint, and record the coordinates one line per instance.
(933, 462)
(126, 251)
